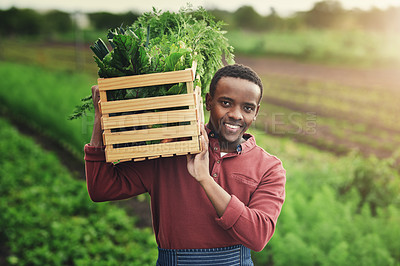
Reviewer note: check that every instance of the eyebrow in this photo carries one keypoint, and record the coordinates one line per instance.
(230, 99)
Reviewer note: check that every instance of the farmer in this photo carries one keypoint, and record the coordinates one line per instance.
(214, 206)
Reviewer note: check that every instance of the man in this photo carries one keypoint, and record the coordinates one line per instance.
(214, 206)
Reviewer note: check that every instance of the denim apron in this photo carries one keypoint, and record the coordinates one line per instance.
(227, 256)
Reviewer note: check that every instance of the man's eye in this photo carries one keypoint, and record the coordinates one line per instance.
(248, 109)
(225, 103)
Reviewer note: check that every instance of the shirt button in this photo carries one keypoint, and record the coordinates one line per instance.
(212, 135)
(215, 175)
(215, 148)
(218, 161)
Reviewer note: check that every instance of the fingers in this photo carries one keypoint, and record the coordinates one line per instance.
(204, 140)
(204, 133)
(95, 92)
(95, 96)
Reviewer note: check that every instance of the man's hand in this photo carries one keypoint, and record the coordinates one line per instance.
(198, 164)
(97, 138)
(198, 167)
(96, 98)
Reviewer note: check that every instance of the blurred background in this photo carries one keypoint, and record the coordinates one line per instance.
(330, 112)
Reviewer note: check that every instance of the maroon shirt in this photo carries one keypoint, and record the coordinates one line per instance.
(183, 216)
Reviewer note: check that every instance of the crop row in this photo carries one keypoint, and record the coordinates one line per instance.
(47, 217)
(44, 99)
(365, 104)
(349, 117)
(327, 133)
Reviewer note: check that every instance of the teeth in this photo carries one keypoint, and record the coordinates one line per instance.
(232, 126)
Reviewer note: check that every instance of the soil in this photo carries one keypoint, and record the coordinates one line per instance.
(388, 78)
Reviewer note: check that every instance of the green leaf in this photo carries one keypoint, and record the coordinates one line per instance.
(99, 49)
(176, 89)
(171, 61)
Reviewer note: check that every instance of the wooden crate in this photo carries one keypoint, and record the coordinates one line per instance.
(185, 138)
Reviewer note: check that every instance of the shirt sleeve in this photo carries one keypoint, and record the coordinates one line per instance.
(254, 225)
(108, 181)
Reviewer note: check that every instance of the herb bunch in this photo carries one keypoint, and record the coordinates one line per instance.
(160, 42)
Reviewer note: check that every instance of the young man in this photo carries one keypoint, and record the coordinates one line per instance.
(214, 206)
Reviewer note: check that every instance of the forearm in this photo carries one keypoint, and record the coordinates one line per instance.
(106, 181)
(253, 223)
(216, 194)
(251, 227)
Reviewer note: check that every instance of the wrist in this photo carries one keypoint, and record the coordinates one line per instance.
(206, 181)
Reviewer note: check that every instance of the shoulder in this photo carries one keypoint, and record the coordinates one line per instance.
(271, 161)
(267, 163)
(251, 149)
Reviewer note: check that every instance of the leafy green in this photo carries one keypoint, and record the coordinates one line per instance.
(161, 42)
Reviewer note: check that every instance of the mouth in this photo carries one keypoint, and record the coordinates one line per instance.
(232, 127)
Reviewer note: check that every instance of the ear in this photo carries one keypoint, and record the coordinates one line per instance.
(208, 101)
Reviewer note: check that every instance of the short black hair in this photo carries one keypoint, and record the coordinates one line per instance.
(236, 71)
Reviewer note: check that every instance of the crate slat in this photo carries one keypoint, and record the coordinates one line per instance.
(149, 119)
(147, 103)
(150, 134)
(180, 147)
(193, 115)
(146, 80)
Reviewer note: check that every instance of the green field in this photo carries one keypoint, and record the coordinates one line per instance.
(338, 210)
(44, 100)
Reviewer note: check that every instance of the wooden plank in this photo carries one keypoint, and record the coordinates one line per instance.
(150, 134)
(151, 118)
(199, 105)
(103, 98)
(147, 103)
(190, 146)
(124, 160)
(182, 153)
(189, 87)
(194, 67)
(146, 80)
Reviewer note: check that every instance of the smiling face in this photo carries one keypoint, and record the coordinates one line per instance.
(233, 108)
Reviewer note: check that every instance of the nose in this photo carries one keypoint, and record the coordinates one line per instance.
(235, 114)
